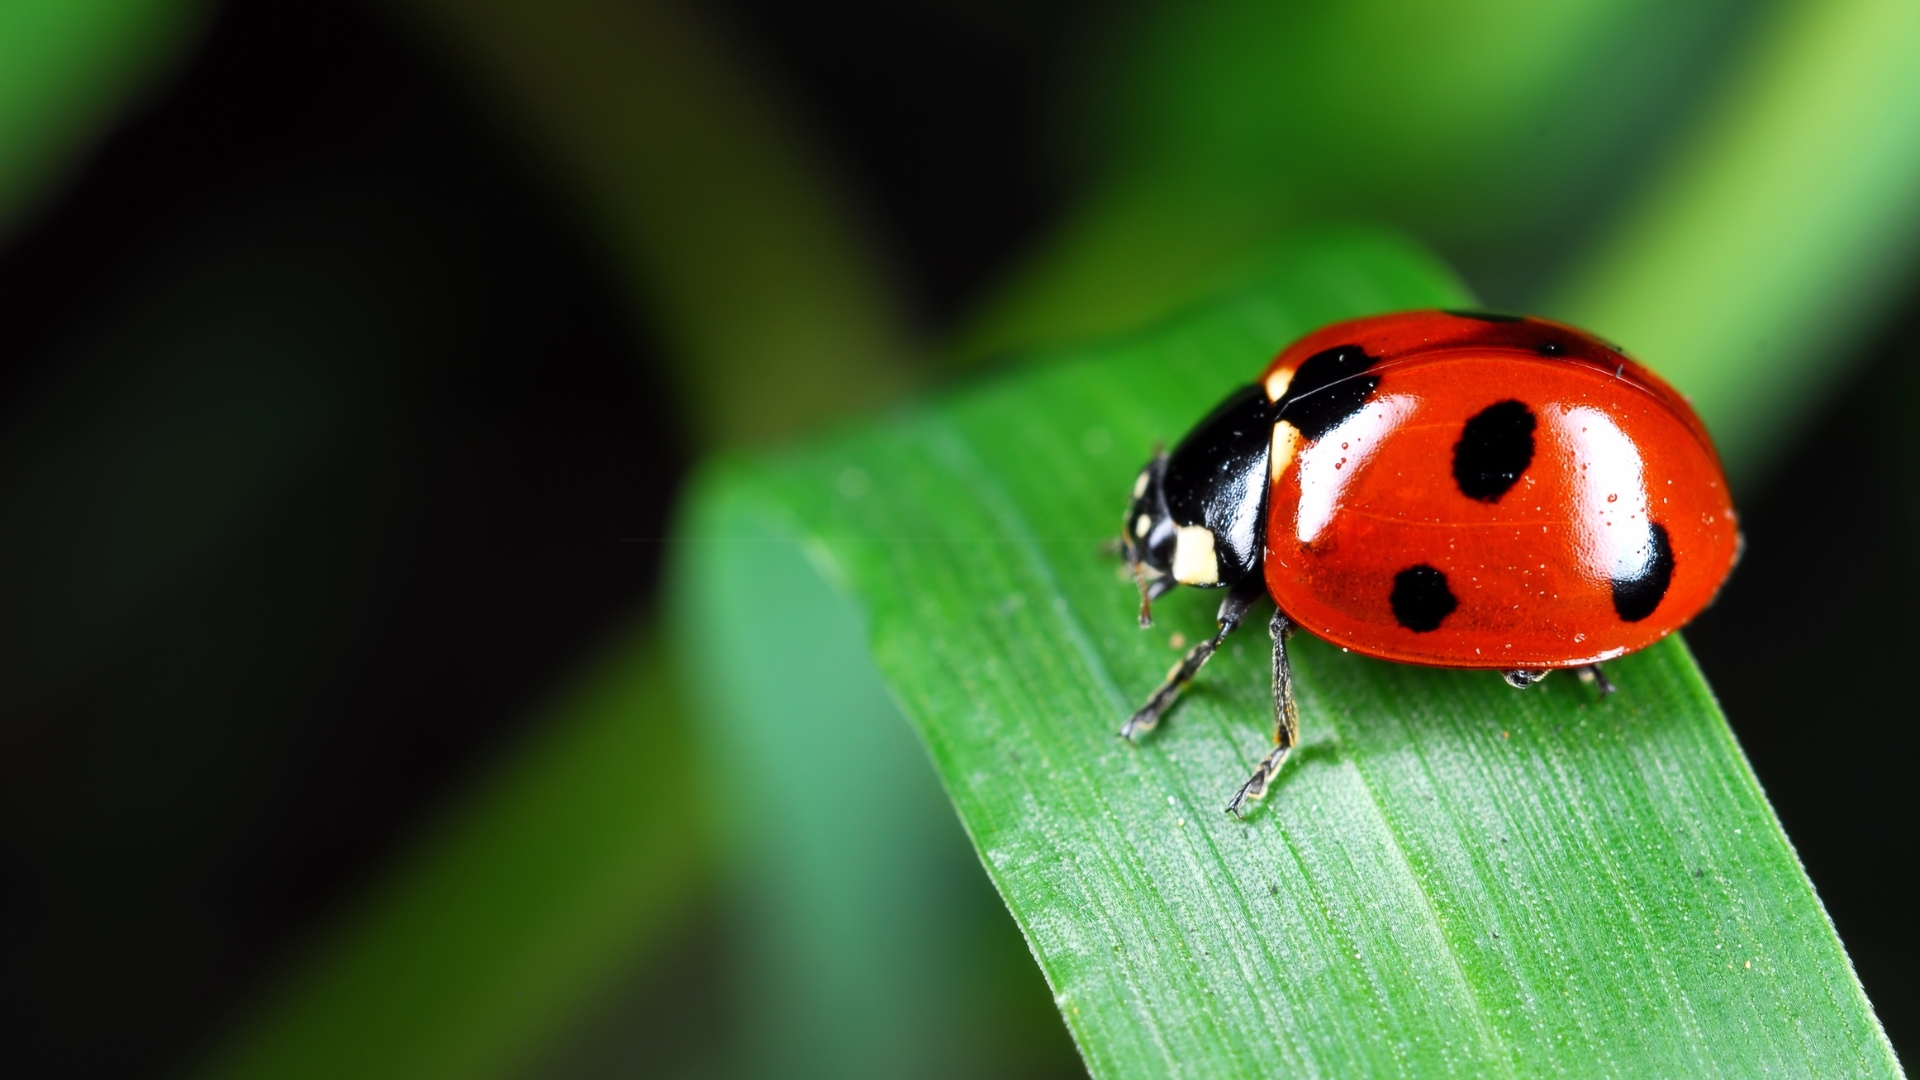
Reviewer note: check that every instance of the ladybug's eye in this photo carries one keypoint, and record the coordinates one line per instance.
(1160, 545)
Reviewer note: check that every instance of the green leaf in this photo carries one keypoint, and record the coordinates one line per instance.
(1475, 125)
(870, 944)
(1463, 120)
(67, 67)
(1452, 878)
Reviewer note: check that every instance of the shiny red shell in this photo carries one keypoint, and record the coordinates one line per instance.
(1372, 512)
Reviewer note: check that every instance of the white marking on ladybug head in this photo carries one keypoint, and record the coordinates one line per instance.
(1278, 382)
(1194, 562)
(1142, 525)
(1286, 443)
(1140, 484)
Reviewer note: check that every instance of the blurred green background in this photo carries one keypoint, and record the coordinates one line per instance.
(352, 356)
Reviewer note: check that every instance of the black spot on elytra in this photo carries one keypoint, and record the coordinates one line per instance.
(1486, 316)
(1636, 597)
(1495, 447)
(1421, 598)
(1328, 387)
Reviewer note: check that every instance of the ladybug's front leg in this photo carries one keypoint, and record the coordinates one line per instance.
(1286, 719)
(1232, 610)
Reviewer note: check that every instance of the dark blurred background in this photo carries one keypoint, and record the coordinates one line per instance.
(324, 436)
(332, 440)
(329, 446)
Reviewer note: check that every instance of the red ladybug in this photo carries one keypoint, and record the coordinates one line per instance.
(1452, 489)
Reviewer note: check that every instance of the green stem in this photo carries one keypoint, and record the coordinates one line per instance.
(571, 863)
(730, 234)
(545, 884)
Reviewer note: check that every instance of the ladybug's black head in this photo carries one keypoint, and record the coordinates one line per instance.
(1148, 535)
(1197, 516)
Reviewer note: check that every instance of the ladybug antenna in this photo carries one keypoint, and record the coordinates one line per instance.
(1146, 594)
(1153, 585)
(1152, 582)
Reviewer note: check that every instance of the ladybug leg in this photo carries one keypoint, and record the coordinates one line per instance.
(1286, 719)
(1593, 676)
(1232, 610)
(1521, 678)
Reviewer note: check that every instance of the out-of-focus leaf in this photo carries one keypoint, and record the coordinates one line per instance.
(1754, 266)
(536, 891)
(1492, 128)
(67, 67)
(729, 231)
(1453, 878)
(1459, 118)
(874, 948)
(557, 874)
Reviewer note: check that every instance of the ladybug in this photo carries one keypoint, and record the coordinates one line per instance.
(1453, 489)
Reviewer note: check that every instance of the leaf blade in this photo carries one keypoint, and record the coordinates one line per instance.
(1351, 928)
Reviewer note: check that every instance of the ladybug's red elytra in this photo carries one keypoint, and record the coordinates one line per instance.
(1454, 489)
